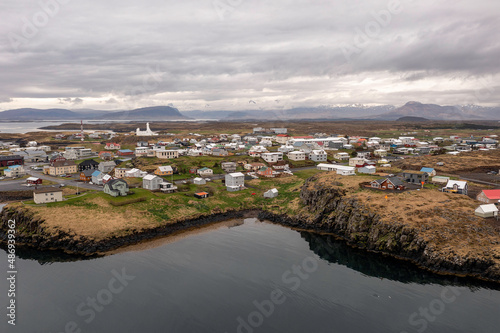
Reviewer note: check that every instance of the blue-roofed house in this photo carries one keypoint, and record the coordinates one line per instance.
(430, 171)
(14, 171)
(125, 152)
(97, 177)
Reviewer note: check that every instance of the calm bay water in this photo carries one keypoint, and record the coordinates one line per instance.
(251, 277)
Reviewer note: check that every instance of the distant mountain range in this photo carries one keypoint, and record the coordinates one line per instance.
(412, 110)
(155, 113)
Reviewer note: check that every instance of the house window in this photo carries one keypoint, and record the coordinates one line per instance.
(389, 186)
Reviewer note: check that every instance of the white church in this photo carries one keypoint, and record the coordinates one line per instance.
(147, 132)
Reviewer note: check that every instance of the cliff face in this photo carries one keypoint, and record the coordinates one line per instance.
(329, 209)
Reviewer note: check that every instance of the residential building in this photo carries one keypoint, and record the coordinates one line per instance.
(440, 179)
(318, 155)
(340, 169)
(165, 170)
(342, 156)
(272, 157)
(113, 146)
(86, 175)
(205, 172)
(489, 196)
(416, 177)
(106, 166)
(62, 168)
(253, 166)
(47, 195)
(265, 172)
(116, 187)
(272, 193)
(282, 138)
(151, 182)
(354, 161)
(430, 171)
(380, 152)
(201, 195)
(235, 181)
(485, 211)
(164, 153)
(296, 156)
(391, 183)
(120, 172)
(125, 152)
(88, 165)
(34, 181)
(106, 155)
(14, 171)
(219, 152)
(135, 173)
(456, 186)
(199, 181)
(97, 177)
(369, 169)
(228, 167)
(167, 187)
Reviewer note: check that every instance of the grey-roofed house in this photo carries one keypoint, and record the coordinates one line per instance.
(116, 187)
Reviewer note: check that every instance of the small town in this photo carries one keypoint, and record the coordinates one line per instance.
(117, 164)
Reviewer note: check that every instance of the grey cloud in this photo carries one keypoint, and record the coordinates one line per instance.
(280, 50)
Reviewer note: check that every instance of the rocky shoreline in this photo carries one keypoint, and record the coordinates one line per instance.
(327, 210)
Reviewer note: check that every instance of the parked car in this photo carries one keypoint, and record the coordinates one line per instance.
(62, 185)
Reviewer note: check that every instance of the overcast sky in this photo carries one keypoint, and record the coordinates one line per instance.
(242, 54)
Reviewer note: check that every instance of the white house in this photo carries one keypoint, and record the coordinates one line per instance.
(296, 156)
(356, 161)
(286, 149)
(380, 152)
(235, 181)
(199, 181)
(205, 172)
(340, 169)
(167, 187)
(489, 210)
(272, 157)
(318, 156)
(370, 169)
(341, 156)
(456, 186)
(166, 153)
(151, 182)
(135, 173)
(46, 195)
(272, 193)
(97, 177)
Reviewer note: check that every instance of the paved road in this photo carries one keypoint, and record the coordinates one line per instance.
(480, 181)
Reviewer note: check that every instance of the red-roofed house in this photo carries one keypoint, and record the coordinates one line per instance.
(113, 146)
(282, 138)
(489, 196)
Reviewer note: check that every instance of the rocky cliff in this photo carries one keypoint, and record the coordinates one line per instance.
(331, 209)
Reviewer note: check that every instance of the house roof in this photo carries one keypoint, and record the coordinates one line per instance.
(88, 172)
(487, 208)
(125, 151)
(47, 190)
(112, 182)
(414, 172)
(165, 168)
(201, 193)
(492, 194)
(32, 179)
(460, 184)
(150, 177)
(88, 162)
(204, 169)
(96, 173)
(236, 174)
(428, 170)
(63, 163)
(10, 157)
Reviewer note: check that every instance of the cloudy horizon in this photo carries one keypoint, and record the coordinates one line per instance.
(238, 55)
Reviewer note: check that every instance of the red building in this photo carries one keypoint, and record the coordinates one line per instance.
(11, 160)
(34, 181)
(265, 171)
(58, 158)
(124, 152)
